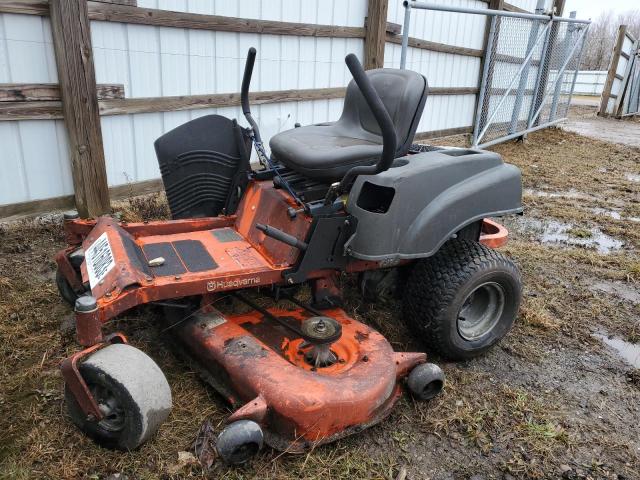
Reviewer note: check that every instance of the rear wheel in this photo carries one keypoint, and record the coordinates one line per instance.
(462, 300)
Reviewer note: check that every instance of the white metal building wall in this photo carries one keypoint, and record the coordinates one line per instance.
(161, 61)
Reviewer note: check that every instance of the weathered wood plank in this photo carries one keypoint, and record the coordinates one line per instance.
(131, 3)
(66, 202)
(391, 27)
(512, 8)
(194, 102)
(49, 110)
(74, 59)
(166, 18)
(27, 92)
(375, 33)
(613, 67)
(447, 132)
(434, 46)
(27, 7)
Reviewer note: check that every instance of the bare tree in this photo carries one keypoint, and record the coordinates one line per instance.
(602, 35)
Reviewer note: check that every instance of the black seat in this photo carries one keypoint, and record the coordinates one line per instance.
(327, 151)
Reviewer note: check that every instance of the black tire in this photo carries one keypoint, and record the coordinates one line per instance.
(132, 392)
(239, 442)
(425, 381)
(66, 291)
(462, 300)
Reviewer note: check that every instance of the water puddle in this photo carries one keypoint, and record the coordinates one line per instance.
(624, 291)
(607, 213)
(630, 352)
(554, 232)
(571, 193)
(633, 177)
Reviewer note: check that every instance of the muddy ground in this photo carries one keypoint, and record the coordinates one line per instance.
(551, 401)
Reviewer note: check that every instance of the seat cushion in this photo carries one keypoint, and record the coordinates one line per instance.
(323, 152)
(327, 151)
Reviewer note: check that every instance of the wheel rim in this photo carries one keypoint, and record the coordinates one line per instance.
(481, 311)
(113, 414)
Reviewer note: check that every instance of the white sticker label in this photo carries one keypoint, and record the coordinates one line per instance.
(99, 258)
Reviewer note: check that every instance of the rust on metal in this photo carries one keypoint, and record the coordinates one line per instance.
(76, 384)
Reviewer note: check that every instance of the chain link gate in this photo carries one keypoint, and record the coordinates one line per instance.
(531, 63)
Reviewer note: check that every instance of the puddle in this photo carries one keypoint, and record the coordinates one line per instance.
(554, 232)
(607, 213)
(633, 177)
(630, 352)
(571, 193)
(619, 289)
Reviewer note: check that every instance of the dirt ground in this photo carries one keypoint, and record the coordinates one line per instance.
(554, 400)
(582, 120)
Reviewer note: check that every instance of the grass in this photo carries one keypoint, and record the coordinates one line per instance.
(510, 412)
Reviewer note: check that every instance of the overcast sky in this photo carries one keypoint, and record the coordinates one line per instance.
(593, 8)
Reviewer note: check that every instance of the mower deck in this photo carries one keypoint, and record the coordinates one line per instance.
(261, 366)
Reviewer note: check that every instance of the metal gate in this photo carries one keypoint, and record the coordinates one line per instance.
(631, 102)
(530, 67)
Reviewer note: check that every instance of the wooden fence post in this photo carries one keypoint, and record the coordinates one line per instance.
(74, 59)
(613, 67)
(375, 34)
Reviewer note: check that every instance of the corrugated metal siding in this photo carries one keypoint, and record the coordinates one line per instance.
(35, 158)
(157, 61)
(627, 47)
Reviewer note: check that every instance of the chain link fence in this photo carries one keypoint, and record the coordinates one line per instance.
(530, 68)
(531, 74)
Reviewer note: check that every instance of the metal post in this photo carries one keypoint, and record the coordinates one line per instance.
(560, 73)
(575, 74)
(485, 76)
(525, 73)
(558, 89)
(405, 34)
(536, 92)
(513, 81)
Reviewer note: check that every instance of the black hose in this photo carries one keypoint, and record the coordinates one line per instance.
(389, 139)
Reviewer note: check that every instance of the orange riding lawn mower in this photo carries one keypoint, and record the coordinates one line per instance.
(350, 196)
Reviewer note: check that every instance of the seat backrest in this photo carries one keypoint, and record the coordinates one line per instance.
(403, 93)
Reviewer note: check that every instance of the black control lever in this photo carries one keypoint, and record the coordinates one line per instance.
(282, 236)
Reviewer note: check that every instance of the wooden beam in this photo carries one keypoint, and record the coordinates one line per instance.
(131, 3)
(66, 202)
(613, 67)
(512, 8)
(166, 18)
(394, 28)
(447, 132)
(375, 33)
(27, 92)
(74, 59)
(52, 110)
(435, 47)
(194, 102)
(26, 7)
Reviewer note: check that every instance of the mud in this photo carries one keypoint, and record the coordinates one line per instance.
(553, 400)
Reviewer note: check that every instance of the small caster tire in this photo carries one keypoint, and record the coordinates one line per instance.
(425, 381)
(239, 442)
(132, 393)
(66, 291)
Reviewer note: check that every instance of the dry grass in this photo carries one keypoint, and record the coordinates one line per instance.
(511, 412)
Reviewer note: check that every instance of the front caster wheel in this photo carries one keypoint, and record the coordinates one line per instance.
(65, 289)
(132, 393)
(425, 381)
(463, 299)
(239, 441)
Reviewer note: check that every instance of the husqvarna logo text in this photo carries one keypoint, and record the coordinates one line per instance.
(214, 285)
